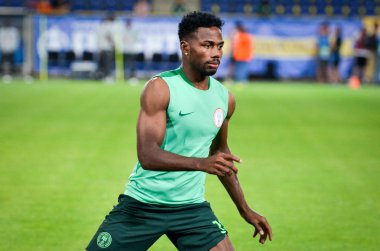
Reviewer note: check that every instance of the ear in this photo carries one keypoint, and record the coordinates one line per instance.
(185, 47)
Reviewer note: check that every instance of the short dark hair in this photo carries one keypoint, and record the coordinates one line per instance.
(194, 20)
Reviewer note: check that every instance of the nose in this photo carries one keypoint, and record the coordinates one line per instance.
(216, 52)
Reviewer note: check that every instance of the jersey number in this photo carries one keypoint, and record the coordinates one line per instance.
(220, 226)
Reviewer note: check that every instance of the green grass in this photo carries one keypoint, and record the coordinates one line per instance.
(311, 164)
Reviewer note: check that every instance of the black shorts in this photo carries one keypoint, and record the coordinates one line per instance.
(322, 63)
(361, 61)
(335, 59)
(133, 225)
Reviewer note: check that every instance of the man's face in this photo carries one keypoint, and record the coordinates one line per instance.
(205, 50)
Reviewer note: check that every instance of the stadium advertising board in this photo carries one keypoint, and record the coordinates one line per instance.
(287, 44)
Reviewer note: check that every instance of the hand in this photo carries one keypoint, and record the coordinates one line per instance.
(261, 225)
(219, 164)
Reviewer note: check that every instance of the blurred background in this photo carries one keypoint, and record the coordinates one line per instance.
(318, 40)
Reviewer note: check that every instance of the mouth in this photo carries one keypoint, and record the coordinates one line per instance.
(213, 64)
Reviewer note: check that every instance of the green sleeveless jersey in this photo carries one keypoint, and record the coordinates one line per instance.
(193, 119)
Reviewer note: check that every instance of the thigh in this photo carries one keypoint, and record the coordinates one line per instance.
(127, 227)
(223, 245)
(195, 228)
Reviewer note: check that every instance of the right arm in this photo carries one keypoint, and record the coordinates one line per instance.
(151, 127)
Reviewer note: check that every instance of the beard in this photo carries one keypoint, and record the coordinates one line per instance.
(210, 72)
(206, 70)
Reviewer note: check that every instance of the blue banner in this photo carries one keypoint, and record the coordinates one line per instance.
(286, 44)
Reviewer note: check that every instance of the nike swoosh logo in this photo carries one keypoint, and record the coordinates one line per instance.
(184, 114)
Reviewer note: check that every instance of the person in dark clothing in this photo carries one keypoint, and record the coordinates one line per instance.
(361, 54)
(323, 53)
(106, 45)
(371, 45)
(335, 55)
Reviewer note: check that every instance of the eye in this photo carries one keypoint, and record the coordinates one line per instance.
(220, 47)
(207, 46)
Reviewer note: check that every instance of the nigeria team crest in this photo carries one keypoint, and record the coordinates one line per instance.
(104, 240)
(218, 117)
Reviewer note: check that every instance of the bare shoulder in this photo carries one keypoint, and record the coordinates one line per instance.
(155, 94)
(231, 104)
(155, 85)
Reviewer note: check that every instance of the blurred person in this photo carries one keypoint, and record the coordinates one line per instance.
(130, 46)
(371, 45)
(360, 55)
(141, 8)
(106, 46)
(43, 7)
(377, 59)
(179, 7)
(51, 43)
(56, 39)
(242, 52)
(323, 53)
(60, 6)
(181, 136)
(9, 42)
(335, 46)
(231, 62)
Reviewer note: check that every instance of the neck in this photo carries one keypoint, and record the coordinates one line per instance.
(199, 81)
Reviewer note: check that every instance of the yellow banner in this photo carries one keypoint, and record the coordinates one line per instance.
(284, 47)
(290, 48)
(297, 48)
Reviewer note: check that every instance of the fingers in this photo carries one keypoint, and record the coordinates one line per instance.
(221, 170)
(263, 234)
(269, 230)
(263, 238)
(227, 160)
(231, 157)
(233, 168)
(255, 233)
(224, 170)
(221, 164)
(263, 228)
(258, 230)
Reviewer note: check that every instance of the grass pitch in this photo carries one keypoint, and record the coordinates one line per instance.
(311, 164)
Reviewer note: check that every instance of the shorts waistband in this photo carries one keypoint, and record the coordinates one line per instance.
(132, 201)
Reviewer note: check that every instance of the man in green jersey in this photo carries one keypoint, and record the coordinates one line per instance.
(181, 136)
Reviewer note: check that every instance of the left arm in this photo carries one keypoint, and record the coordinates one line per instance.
(232, 185)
